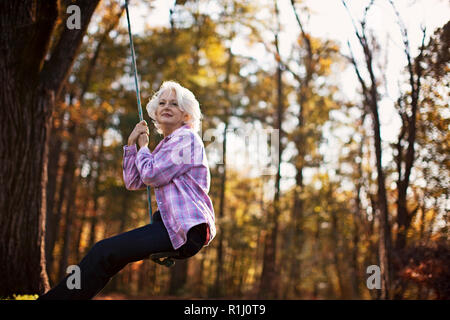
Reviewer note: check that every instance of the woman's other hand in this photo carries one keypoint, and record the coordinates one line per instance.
(143, 140)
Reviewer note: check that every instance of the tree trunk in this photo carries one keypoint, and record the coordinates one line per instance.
(304, 90)
(52, 169)
(30, 86)
(335, 248)
(384, 249)
(70, 208)
(53, 225)
(217, 291)
(371, 97)
(317, 258)
(268, 288)
(178, 276)
(22, 223)
(198, 290)
(298, 207)
(82, 220)
(96, 193)
(406, 160)
(358, 219)
(355, 278)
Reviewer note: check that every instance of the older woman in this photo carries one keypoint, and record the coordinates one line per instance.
(178, 171)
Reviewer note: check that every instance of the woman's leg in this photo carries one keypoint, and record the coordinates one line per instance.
(107, 257)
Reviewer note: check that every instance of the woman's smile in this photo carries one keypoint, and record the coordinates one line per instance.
(168, 113)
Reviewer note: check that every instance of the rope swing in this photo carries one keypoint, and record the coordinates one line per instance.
(138, 97)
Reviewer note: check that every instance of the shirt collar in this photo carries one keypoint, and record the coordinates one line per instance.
(175, 131)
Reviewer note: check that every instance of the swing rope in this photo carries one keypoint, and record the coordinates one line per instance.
(138, 96)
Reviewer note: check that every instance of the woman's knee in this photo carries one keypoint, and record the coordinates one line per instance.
(195, 240)
(103, 255)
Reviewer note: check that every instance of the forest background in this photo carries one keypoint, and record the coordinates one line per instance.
(326, 128)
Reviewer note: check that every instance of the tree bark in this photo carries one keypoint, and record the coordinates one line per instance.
(406, 159)
(30, 86)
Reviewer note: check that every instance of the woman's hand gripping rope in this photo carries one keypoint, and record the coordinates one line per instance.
(139, 134)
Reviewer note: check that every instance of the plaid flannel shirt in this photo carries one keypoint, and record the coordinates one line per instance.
(178, 171)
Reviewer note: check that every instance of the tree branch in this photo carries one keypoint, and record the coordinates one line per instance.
(55, 70)
(93, 62)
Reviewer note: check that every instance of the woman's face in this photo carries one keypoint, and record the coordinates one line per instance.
(168, 113)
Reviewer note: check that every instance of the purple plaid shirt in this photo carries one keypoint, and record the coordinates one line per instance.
(178, 171)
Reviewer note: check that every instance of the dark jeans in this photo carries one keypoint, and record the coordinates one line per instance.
(107, 257)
